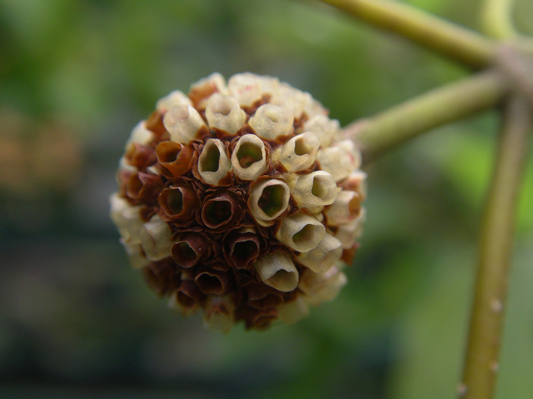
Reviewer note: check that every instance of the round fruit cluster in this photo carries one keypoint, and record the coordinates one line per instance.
(240, 199)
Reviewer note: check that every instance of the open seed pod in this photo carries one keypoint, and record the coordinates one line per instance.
(240, 200)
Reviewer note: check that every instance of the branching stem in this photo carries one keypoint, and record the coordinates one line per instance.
(430, 110)
(509, 72)
(444, 37)
(495, 250)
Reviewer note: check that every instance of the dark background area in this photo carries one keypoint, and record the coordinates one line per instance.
(77, 321)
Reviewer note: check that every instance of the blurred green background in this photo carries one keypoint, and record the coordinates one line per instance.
(76, 321)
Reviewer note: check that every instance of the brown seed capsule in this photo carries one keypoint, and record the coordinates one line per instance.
(241, 248)
(259, 319)
(174, 158)
(143, 186)
(204, 88)
(222, 210)
(190, 248)
(211, 281)
(138, 155)
(189, 295)
(162, 276)
(140, 134)
(219, 313)
(263, 297)
(179, 203)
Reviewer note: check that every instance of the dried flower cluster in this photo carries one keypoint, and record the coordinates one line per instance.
(240, 199)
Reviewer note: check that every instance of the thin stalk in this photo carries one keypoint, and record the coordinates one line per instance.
(438, 107)
(446, 38)
(496, 19)
(482, 357)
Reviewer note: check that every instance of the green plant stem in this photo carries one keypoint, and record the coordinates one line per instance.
(438, 107)
(482, 357)
(444, 37)
(496, 19)
(516, 63)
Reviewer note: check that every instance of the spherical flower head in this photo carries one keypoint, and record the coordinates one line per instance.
(241, 200)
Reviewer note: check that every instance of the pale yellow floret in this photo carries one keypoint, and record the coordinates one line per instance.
(348, 233)
(357, 181)
(140, 134)
(312, 107)
(213, 162)
(271, 121)
(249, 149)
(215, 79)
(135, 255)
(182, 122)
(127, 219)
(278, 194)
(325, 255)
(156, 239)
(124, 166)
(176, 306)
(246, 88)
(325, 129)
(300, 232)
(293, 311)
(290, 99)
(269, 85)
(278, 271)
(339, 160)
(175, 97)
(224, 113)
(299, 153)
(344, 209)
(322, 287)
(351, 148)
(314, 190)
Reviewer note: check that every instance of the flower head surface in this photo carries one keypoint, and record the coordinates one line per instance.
(241, 200)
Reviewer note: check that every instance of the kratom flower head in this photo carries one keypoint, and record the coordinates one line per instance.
(240, 199)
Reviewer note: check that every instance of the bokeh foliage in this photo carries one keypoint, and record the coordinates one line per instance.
(76, 76)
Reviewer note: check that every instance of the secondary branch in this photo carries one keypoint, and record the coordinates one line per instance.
(438, 107)
(446, 38)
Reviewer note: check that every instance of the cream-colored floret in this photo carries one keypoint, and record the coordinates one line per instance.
(224, 113)
(182, 122)
(278, 271)
(156, 239)
(271, 121)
